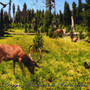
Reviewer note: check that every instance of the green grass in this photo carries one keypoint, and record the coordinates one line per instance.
(16, 30)
(64, 62)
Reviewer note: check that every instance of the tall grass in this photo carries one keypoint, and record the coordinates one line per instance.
(63, 62)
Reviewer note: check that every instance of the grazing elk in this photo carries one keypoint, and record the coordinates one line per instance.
(17, 54)
(74, 39)
(60, 32)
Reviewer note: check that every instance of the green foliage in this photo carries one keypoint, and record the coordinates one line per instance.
(25, 28)
(68, 28)
(82, 31)
(87, 1)
(60, 26)
(63, 26)
(38, 42)
(81, 28)
(47, 21)
(51, 31)
(78, 13)
(60, 17)
(62, 61)
(74, 11)
(66, 14)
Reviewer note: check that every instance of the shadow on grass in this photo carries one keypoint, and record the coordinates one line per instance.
(5, 36)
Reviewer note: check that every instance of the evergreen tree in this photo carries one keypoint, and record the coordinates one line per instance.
(33, 15)
(47, 21)
(24, 13)
(74, 11)
(79, 10)
(6, 21)
(38, 42)
(1, 24)
(18, 8)
(67, 14)
(29, 16)
(60, 17)
(18, 14)
(86, 14)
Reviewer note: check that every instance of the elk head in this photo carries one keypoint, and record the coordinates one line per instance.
(34, 63)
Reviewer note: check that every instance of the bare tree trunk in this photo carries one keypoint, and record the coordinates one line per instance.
(72, 27)
(72, 21)
(9, 10)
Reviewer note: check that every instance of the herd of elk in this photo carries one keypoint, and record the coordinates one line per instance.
(17, 54)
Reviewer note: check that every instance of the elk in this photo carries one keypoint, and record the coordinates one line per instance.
(17, 54)
(74, 39)
(60, 32)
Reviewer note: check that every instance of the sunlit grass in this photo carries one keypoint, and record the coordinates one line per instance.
(16, 30)
(63, 62)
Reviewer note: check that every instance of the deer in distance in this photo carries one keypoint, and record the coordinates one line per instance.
(60, 32)
(17, 54)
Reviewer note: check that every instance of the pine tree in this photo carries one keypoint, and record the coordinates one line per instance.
(86, 14)
(67, 14)
(79, 10)
(24, 12)
(29, 16)
(18, 15)
(47, 21)
(1, 24)
(60, 17)
(74, 11)
(6, 21)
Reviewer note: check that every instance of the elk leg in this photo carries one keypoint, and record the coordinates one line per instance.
(20, 63)
(1, 60)
(13, 67)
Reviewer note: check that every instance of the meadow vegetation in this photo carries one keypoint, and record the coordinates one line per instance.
(63, 62)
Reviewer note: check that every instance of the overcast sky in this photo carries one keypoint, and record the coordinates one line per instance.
(38, 4)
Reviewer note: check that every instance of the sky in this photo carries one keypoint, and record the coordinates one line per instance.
(38, 4)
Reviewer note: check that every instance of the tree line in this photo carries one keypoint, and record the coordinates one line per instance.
(45, 21)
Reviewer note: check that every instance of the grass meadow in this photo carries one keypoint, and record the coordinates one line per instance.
(63, 62)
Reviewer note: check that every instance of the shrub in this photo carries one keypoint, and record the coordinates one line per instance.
(25, 28)
(60, 26)
(68, 28)
(63, 26)
(51, 31)
(81, 35)
(38, 42)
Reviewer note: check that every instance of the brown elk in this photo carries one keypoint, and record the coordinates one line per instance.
(74, 39)
(17, 54)
(60, 32)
